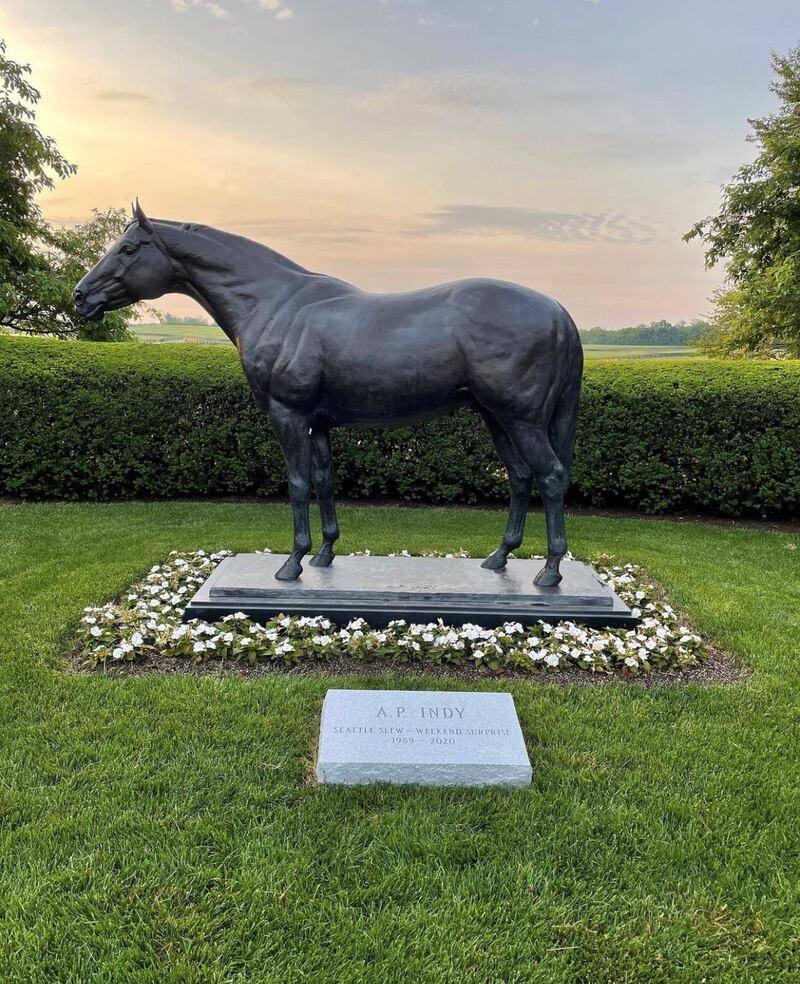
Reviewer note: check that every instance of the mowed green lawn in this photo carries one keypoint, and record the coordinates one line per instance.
(212, 334)
(164, 829)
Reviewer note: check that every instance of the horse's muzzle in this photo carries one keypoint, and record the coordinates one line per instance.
(90, 311)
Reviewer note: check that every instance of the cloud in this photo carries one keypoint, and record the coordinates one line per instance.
(269, 88)
(300, 230)
(215, 9)
(473, 92)
(443, 92)
(533, 223)
(277, 8)
(123, 96)
(638, 146)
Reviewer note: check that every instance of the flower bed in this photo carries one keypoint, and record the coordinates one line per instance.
(146, 621)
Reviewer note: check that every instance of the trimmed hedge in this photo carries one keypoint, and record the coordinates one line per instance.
(103, 421)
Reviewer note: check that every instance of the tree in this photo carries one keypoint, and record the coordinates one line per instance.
(757, 233)
(656, 333)
(39, 264)
(40, 302)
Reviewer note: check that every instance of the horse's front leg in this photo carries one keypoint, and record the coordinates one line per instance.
(322, 472)
(292, 431)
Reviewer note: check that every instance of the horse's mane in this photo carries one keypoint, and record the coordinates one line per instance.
(229, 241)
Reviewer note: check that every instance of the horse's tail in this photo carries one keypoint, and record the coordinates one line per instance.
(565, 414)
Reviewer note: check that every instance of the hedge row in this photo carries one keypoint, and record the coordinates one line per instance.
(94, 421)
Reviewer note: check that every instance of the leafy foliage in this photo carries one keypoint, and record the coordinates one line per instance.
(29, 162)
(133, 421)
(757, 233)
(39, 264)
(656, 333)
(41, 301)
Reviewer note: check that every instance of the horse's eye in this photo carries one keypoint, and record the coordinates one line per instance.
(129, 249)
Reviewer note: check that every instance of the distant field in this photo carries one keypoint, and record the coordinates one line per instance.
(211, 335)
(636, 351)
(205, 334)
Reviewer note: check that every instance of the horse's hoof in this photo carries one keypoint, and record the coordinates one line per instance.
(290, 571)
(322, 558)
(494, 562)
(547, 578)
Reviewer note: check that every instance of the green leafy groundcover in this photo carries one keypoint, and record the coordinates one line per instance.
(90, 421)
(147, 621)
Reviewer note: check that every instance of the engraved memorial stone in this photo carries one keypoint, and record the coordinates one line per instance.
(427, 738)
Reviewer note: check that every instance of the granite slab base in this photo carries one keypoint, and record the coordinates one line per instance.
(417, 589)
(426, 738)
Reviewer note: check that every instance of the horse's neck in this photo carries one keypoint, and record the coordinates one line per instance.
(228, 275)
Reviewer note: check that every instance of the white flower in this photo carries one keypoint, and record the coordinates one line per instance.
(660, 632)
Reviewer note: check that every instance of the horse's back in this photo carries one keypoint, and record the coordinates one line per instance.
(494, 307)
(395, 357)
(493, 303)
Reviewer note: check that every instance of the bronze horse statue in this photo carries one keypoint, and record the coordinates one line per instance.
(320, 353)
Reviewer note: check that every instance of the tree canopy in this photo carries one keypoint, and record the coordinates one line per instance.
(40, 264)
(655, 333)
(757, 233)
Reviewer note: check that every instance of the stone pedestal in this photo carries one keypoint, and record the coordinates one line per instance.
(417, 589)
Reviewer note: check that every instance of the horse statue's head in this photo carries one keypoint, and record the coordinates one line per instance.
(135, 268)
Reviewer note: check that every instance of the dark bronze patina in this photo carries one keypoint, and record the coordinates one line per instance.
(320, 353)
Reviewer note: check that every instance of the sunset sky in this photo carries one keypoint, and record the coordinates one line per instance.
(563, 144)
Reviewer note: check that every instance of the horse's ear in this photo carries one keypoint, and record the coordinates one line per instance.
(140, 217)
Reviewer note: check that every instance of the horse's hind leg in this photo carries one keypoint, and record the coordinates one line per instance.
(520, 479)
(322, 473)
(534, 447)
